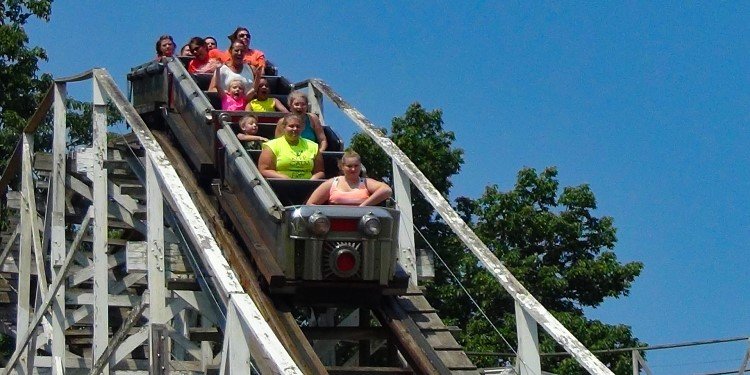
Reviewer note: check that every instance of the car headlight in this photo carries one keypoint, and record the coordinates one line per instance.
(318, 224)
(369, 225)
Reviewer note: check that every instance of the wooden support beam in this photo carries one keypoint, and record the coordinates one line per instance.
(271, 355)
(56, 214)
(27, 334)
(100, 202)
(103, 360)
(23, 307)
(407, 257)
(528, 343)
(346, 333)
(155, 247)
(15, 159)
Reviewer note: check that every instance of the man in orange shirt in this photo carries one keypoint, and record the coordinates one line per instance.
(256, 58)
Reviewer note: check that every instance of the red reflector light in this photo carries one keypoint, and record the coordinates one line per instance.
(345, 262)
(344, 225)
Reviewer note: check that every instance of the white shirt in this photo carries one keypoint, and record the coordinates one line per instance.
(227, 75)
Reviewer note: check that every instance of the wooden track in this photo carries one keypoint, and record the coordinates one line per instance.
(408, 323)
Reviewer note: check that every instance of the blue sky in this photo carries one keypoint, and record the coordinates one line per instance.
(644, 101)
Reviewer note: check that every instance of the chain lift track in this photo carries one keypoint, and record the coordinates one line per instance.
(119, 259)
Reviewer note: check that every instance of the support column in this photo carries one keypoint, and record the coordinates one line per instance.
(159, 350)
(640, 364)
(158, 315)
(315, 99)
(23, 311)
(528, 343)
(101, 243)
(407, 248)
(364, 345)
(207, 355)
(57, 229)
(745, 360)
(155, 246)
(325, 349)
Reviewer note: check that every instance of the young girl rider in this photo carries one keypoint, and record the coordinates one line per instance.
(264, 103)
(233, 99)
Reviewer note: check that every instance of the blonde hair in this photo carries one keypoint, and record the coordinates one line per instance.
(294, 96)
(249, 119)
(242, 83)
(349, 154)
(295, 116)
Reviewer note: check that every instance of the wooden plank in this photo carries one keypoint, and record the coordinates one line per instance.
(442, 340)
(135, 259)
(15, 160)
(428, 321)
(416, 303)
(54, 223)
(199, 157)
(43, 161)
(340, 370)
(417, 352)
(205, 334)
(155, 246)
(253, 239)
(456, 360)
(100, 200)
(183, 284)
(346, 333)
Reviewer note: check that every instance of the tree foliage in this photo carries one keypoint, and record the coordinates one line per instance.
(20, 86)
(561, 252)
(420, 134)
(549, 238)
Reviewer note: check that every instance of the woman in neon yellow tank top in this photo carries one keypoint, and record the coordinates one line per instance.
(291, 156)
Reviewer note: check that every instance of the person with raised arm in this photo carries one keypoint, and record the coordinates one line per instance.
(234, 69)
(256, 58)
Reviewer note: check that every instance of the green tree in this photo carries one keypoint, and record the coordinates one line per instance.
(548, 237)
(562, 254)
(20, 86)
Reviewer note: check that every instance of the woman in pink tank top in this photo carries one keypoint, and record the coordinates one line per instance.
(350, 189)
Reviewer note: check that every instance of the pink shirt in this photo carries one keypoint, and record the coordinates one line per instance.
(353, 197)
(229, 103)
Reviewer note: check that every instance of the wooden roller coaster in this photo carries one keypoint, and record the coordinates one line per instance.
(165, 251)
